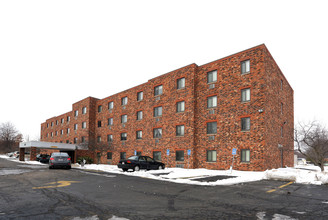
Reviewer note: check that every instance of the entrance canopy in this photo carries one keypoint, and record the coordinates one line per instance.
(49, 145)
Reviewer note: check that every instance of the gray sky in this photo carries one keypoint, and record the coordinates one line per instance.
(55, 53)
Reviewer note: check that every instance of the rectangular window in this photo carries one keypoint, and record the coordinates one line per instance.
(124, 100)
(69, 118)
(124, 136)
(99, 139)
(67, 130)
(157, 132)
(181, 83)
(75, 126)
(109, 155)
(179, 155)
(282, 108)
(212, 76)
(84, 124)
(180, 130)
(110, 105)
(56, 122)
(139, 115)
(245, 155)
(211, 156)
(110, 122)
(61, 132)
(158, 90)
(212, 127)
(139, 135)
(76, 113)
(124, 118)
(246, 95)
(99, 124)
(122, 155)
(75, 140)
(245, 67)
(139, 96)
(84, 110)
(157, 155)
(109, 138)
(83, 139)
(181, 106)
(52, 124)
(245, 124)
(212, 101)
(99, 108)
(158, 111)
(62, 121)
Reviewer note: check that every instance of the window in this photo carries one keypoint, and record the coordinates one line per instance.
(76, 113)
(139, 135)
(181, 83)
(124, 136)
(84, 124)
(212, 102)
(56, 133)
(181, 106)
(99, 124)
(180, 130)
(124, 100)
(75, 140)
(124, 118)
(139, 96)
(56, 122)
(84, 110)
(75, 127)
(282, 131)
(68, 118)
(211, 156)
(158, 111)
(282, 108)
(61, 132)
(67, 130)
(123, 155)
(245, 67)
(62, 121)
(83, 139)
(281, 85)
(52, 134)
(246, 95)
(99, 108)
(52, 124)
(47, 125)
(158, 90)
(99, 139)
(109, 138)
(139, 115)
(109, 155)
(212, 76)
(212, 127)
(157, 155)
(110, 121)
(179, 155)
(157, 132)
(110, 105)
(245, 155)
(245, 124)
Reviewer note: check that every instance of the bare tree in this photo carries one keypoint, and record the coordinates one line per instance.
(312, 141)
(9, 137)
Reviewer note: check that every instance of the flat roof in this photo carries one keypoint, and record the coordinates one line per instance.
(49, 145)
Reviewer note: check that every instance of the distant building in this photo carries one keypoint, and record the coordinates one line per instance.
(191, 117)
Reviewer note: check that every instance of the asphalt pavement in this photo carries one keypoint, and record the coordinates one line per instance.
(35, 192)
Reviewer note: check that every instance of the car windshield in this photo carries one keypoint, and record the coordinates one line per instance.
(133, 158)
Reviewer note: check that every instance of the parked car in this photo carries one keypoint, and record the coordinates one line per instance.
(60, 159)
(140, 162)
(43, 158)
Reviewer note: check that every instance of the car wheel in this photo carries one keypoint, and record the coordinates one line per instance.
(160, 167)
(136, 168)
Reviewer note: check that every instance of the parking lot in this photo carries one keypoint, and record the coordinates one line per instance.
(35, 192)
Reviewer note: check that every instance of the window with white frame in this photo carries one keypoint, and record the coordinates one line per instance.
(179, 155)
(158, 111)
(76, 113)
(212, 101)
(84, 124)
(245, 67)
(75, 126)
(246, 95)
(139, 96)
(157, 132)
(110, 105)
(181, 83)
(158, 90)
(211, 156)
(84, 110)
(99, 108)
(67, 130)
(180, 130)
(245, 155)
(110, 121)
(99, 139)
(245, 124)
(62, 132)
(124, 136)
(212, 76)
(139, 115)
(211, 127)
(181, 106)
(68, 118)
(109, 138)
(124, 118)
(139, 134)
(75, 140)
(124, 100)
(62, 121)
(83, 139)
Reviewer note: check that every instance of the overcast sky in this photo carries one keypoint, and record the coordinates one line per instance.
(55, 53)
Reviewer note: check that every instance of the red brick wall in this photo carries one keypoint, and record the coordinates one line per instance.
(262, 139)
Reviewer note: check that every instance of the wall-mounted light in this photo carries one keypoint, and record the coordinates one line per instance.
(261, 110)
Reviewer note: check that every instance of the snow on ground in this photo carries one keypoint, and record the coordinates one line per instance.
(305, 174)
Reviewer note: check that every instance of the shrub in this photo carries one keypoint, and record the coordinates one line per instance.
(88, 160)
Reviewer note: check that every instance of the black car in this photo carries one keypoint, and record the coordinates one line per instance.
(60, 159)
(43, 158)
(140, 162)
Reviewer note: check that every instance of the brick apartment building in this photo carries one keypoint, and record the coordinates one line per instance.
(191, 117)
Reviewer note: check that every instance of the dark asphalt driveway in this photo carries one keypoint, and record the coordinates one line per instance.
(40, 193)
